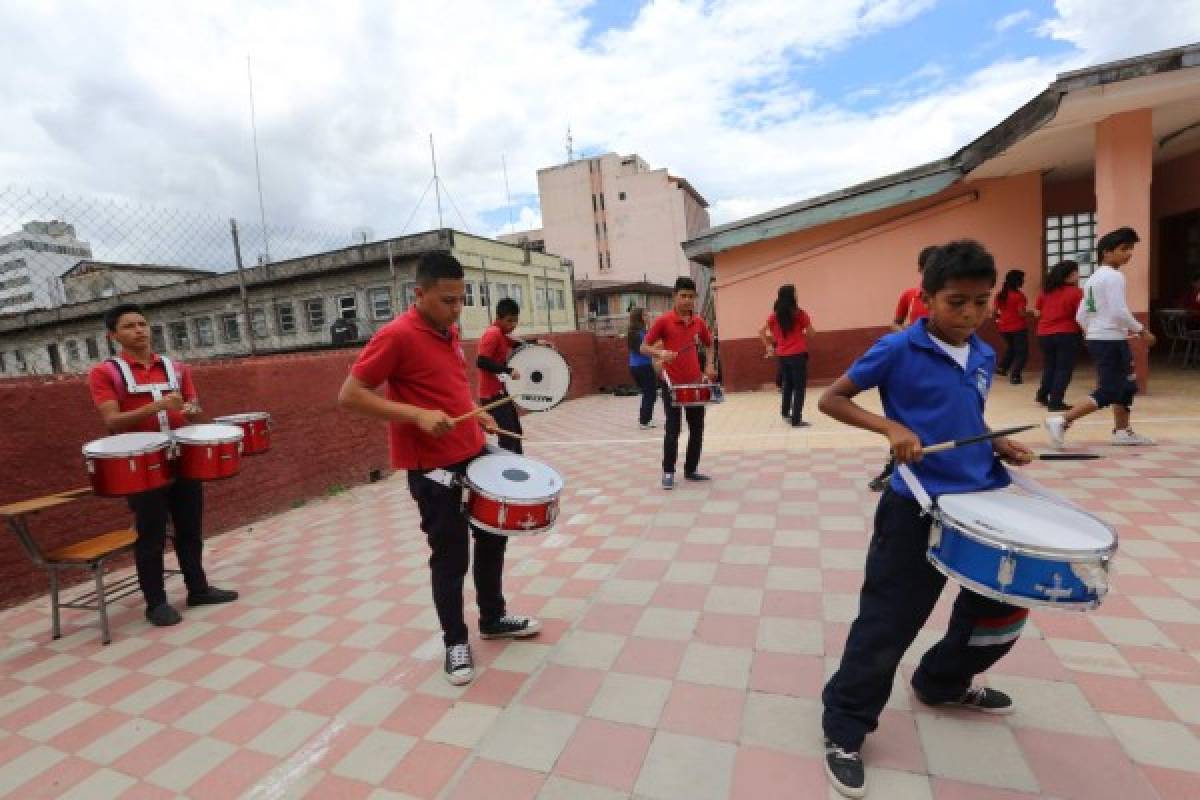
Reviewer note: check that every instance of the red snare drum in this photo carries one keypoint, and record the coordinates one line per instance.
(256, 425)
(208, 452)
(512, 495)
(128, 463)
(692, 394)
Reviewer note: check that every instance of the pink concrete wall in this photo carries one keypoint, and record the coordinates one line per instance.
(1124, 170)
(863, 264)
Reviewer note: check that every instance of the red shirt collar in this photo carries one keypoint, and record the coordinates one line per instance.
(673, 316)
(421, 323)
(155, 358)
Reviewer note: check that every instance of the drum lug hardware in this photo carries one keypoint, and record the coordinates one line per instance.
(1007, 571)
(1056, 592)
(935, 534)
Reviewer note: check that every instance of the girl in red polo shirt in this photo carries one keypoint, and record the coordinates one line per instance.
(1058, 333)
(1011, 321)
(785, 334)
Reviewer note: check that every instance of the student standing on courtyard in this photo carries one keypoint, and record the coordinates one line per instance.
(641, 367)
(1012, 322)
(679, 334)
(785, 335)
(933, 378)
(1058, 333)
(419, 357)
(1108, 324)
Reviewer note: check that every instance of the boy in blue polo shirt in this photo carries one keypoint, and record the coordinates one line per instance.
(933, 378)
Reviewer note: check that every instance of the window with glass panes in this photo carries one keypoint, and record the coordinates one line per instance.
(468, 294)
(258, 323)
(515, 293)
(485, 297)
(92, 349)
(314, 310)
(347, 306)
(72, 350)
(380, 299)
(230, 330)
(1071, 236)
(158, 339)
(562, 299)
(285, 318)
(204, 332)
(179, 335)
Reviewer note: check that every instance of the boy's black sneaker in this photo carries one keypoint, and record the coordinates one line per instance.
(845, 771)
(211, 596)
(1058, 407)
(163, 616)
(978, 698)
(509, 627)
(460, 666)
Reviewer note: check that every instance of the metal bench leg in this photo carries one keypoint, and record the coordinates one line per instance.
(55, 626)
(101, 605)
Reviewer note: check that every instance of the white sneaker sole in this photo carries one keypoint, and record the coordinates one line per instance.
(460, 680)
(524, 633)
(1123, 443)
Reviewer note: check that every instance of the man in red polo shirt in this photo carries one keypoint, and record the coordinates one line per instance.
(680, 333)
(124, 409)
(495, 346)
(419, 356)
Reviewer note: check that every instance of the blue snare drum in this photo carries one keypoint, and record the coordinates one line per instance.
(1020, 549)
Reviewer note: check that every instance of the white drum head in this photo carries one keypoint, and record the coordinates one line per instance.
(514, 477)
(208, 434)
(238, 419)
(125, 444)
(1027, 521)
(545, 377)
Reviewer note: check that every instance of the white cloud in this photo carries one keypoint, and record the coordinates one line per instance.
(149, 101)
(1012, 20)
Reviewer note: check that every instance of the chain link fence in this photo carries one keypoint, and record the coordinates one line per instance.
(64, 259)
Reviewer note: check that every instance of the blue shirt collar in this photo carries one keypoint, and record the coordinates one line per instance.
(919, 335)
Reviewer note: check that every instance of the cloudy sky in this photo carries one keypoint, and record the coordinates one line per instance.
(757, 102)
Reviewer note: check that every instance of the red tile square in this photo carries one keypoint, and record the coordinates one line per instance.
(1161, 664)
(1117, 695)
(795, 557)
(611, 618)
(567, 689)
(1031, 658)
(1173, 784)
(426, 769)
(753, 576)
(782, 673)
(262, 680)
(341, 788)
(1081, 767)
(683, 596)
(154, 752)
(184, 701)
(57, 780)
(417, 714)
(843, 581)
(37, 710)
(708, 553)
(656, 658)
(643, 569)
(731, 630)
(797, 605)
(709, 712)
(771, 775)
(495, 687)
(148, 791)
(233, 776)
(335, 661)
(579, 587)
(1067, 625)
(896, 744)
(605, 754)
(333, 697)
(248, 723)
(497, 782)
(944, 789)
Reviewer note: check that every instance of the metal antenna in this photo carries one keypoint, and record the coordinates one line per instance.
(570, 145)
(507, 194)
(436, 181)
(262, 213)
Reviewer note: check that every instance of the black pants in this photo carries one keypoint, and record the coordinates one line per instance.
(695, 421)
(507, 418)
(643, 375)
(1059, 351)
(899, 592)
(795, 381)
(183, 500)
(445, 525)
(1115, 379)
(1016, 354)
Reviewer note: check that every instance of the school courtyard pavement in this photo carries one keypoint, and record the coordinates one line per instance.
(687, 635)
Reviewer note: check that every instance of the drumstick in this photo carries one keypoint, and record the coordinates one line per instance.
(502, 432)
(936, 448)
(1068, 456)
(480, 410)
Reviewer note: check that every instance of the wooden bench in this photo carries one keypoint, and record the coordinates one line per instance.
(90, 554)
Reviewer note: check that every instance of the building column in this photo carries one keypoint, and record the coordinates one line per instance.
(1124, 170)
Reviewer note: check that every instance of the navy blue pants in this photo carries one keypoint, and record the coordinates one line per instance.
(507, 419)
(183, 502)
(1059, 351)
(695, 421)
(1015, 354)
(899, 592)
(795, 381)
(1115, 381)
(648, 384)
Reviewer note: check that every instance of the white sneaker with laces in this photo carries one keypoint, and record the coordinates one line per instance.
(460, 667)
(1128, 438)
(1056, 429)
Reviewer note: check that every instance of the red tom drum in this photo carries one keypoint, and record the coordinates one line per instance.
(512, 495)
(128, 463)
(208, 452)
(256, 425)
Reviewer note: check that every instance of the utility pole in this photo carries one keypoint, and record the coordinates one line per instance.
(262, 212)
(437, 188)
(237, 255)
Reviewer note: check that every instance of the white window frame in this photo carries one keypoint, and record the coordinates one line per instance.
(342, 307)
(178, 342)
(285, 328)
(1071, 236)
(72, 348)
(469, 294)
(257, 314)
(374, 295)
(315, 304)
(230, 334)
(203, 324)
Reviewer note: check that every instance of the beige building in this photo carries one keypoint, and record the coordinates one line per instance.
(335, 298)
(617, 219)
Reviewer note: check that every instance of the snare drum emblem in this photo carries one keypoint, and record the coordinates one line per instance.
(1055, 592)
(529, 522)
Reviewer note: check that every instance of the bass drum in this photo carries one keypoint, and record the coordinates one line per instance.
(545, 377)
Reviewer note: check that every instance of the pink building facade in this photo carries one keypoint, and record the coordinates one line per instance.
(1113, 145)
(619, 220)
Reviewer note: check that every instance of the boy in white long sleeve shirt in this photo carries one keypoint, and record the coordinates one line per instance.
(1108, 325)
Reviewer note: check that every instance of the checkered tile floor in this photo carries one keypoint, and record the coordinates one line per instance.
(687, 636)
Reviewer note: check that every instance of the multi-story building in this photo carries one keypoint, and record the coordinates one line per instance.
(337, 297)
(31, 261)
(617, 219)
(95, 280)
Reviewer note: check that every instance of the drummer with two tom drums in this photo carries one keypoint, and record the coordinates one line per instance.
(141, 391)
(495, 346)
(434, 430)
